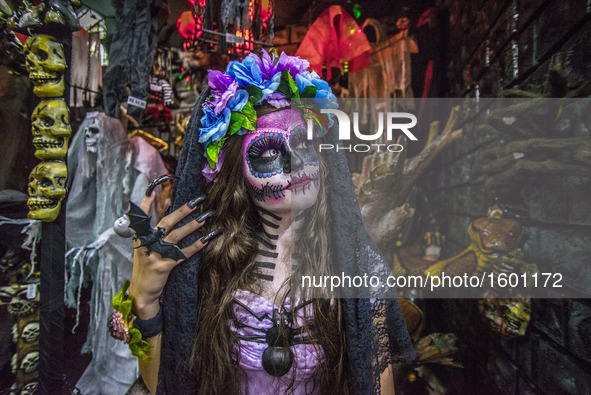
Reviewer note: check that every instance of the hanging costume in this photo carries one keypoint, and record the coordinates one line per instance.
(107, 171)
(131, 54)
(371, 348)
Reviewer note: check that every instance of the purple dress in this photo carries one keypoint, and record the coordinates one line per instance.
(258, 381)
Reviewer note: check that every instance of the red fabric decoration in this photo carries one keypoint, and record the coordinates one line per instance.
(186, 24)
(425, 16)
(335, 38)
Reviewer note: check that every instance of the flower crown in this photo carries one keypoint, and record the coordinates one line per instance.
(277, 79)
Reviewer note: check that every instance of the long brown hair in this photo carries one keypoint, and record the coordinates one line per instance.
(227, 264)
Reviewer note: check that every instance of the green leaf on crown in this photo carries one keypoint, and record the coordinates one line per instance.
(254, 94)
(287, 86)
(309, 92)
(236, 120)
(250, 120)
(292, 85)
(213, 152)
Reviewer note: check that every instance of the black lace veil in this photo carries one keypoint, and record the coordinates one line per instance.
(375, 330)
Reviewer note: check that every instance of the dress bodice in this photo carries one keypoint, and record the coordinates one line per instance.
(253, 318)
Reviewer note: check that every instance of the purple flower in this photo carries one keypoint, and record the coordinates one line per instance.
(269, 68)
(294, 64)
(277, 100)
(218, 81)
(117, 327)
(224, 88)
(209, 173)
(265, 63)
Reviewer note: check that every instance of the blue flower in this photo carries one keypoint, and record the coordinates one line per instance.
(213, 127)
(239, 100)
(249, 73)
(324, 97)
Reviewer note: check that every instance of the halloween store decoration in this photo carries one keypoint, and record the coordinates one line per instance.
(46, 64)
(19, 299)
(31, 14)
(387, 179)
(333, 39)
(109, 171)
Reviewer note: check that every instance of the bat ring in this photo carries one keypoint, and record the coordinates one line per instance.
(152, 239)
(154, 243)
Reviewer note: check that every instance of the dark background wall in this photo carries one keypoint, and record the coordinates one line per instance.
(495, 46)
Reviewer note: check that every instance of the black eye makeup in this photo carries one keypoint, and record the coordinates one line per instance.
(266, 147)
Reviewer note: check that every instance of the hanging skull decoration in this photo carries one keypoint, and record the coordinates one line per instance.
(47, 188)
(51, 129)
(45, 62)
(92, 132)
(15, 299)
(30, 332)
(30, 362)
(29, 389)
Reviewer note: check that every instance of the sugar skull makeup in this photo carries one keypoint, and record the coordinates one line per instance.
(280, 164)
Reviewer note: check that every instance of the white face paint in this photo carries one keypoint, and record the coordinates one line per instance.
(280, 164)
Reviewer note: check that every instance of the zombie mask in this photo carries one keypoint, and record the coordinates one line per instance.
(92, 132)
(280, 163)
(47, 188)
(45, 62)
(51, 129)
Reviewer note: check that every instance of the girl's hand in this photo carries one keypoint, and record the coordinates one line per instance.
(150, 269)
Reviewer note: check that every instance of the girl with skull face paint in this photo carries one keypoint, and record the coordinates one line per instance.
(268, 193)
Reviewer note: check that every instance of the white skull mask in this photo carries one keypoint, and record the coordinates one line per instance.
(29, 389)
(45, 62)
(47, 188)
(30, 332)
(30, 362)
(51, 129)
(92, 133)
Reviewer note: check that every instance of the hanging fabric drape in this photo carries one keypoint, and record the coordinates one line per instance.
(335, 38)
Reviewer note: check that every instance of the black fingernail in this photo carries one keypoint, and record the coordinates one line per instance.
(205, 215)
(157, 182)
(193, 203)
(211, 235)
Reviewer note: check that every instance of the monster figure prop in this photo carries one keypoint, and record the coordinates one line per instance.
(91, 132)
(47, 188)
(45, 62)
(51, 129)
(149, 237)
(106, 173)
(491, 238)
